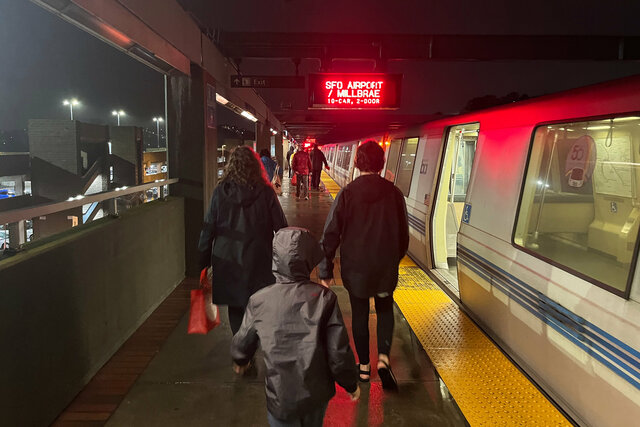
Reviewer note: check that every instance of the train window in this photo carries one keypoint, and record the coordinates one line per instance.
(580, 206)
(344, 156)
(392, 160)
(405, 167)
(457, 162)
(347, 156)
(355, 172)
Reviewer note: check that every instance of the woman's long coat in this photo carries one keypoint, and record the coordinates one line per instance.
(236, 240)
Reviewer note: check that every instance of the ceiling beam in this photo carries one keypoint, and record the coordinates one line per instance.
(427, 47)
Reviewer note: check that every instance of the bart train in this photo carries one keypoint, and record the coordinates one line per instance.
(528, 214)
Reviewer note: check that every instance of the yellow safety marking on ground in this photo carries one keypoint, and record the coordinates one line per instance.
(330, 184)
(486, 385)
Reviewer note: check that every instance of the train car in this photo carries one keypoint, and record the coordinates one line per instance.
(529, 214)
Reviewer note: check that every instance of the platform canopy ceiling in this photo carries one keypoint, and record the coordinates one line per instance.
(448, 54)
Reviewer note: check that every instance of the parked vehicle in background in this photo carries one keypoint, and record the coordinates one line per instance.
(5, 193)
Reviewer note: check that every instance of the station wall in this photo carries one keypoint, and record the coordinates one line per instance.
(68, 304)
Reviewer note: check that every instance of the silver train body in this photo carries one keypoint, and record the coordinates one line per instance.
(528, 214)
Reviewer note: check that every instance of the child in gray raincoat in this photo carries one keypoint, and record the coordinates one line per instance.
(300, 329)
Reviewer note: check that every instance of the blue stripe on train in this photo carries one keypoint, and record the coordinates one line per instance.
(416, 223)
(573, 327)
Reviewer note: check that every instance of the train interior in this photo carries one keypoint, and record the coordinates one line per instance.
(580, 207)
(458, 158)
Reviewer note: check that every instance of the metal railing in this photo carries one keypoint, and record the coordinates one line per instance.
(41, 210)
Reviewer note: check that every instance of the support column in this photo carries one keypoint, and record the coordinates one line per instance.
(263, 136)
(17, 234)
(279, 150)
(192, 151)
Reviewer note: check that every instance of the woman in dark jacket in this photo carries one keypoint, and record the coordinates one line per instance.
(238, 231)
(368, 220)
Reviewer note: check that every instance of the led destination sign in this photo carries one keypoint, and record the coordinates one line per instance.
(354, 91)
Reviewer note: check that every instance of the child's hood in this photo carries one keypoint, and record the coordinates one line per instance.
(295, 253)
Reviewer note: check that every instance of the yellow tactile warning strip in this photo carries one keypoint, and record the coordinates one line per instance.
(486, 385)
(330, 184)
(488, 388)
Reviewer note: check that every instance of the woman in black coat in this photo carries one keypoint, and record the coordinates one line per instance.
(368, 220)
(238, 232)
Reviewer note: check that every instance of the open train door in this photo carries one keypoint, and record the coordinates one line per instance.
(449, 202)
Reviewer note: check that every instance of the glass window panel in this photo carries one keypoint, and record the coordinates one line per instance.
(580, 206)
(464, 139)
(405, 166)
(392, 160)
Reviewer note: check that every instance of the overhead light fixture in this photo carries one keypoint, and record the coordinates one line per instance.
(626, 119)
(598, 127)
(221, 99)
(249, 116)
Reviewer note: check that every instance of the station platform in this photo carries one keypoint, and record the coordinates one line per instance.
(163, 377)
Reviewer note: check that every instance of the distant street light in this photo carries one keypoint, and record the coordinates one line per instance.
(71, 103)
(118, 113)
(158, 120)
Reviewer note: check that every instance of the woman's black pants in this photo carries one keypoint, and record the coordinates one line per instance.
(360, 325)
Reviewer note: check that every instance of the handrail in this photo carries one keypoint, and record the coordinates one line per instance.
(15, 215)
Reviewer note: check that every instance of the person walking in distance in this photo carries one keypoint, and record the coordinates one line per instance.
(290, 152)
(317, 160)
(238, 231)
(301, 164)
(268, 163)
(368, 220)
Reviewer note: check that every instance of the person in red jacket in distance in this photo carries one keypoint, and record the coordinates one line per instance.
(301, 165)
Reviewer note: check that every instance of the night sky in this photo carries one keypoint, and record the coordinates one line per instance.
(45, 60)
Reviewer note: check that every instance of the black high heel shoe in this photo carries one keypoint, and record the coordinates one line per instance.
(386, 376)
(362, 372)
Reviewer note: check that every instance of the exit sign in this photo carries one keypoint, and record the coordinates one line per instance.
(369, 91)
(281, 82)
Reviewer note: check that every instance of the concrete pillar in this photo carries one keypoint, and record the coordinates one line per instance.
(17, 234)
(279, 149)
(263, 136)
(191, 124)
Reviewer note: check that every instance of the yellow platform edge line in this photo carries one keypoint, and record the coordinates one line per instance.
(486, 385)
(332, 187)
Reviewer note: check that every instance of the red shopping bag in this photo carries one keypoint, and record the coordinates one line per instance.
(294, 179)
(204, 315)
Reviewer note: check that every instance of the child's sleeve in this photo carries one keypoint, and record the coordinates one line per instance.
(245, 342)
(341, 360)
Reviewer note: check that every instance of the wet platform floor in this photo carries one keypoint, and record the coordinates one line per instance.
(190, 381)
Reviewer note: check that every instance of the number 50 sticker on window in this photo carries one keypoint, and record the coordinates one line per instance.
(580, 162)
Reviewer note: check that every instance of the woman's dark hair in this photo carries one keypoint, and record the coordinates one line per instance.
(245, 168)
(264, 153)
(370, 157)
